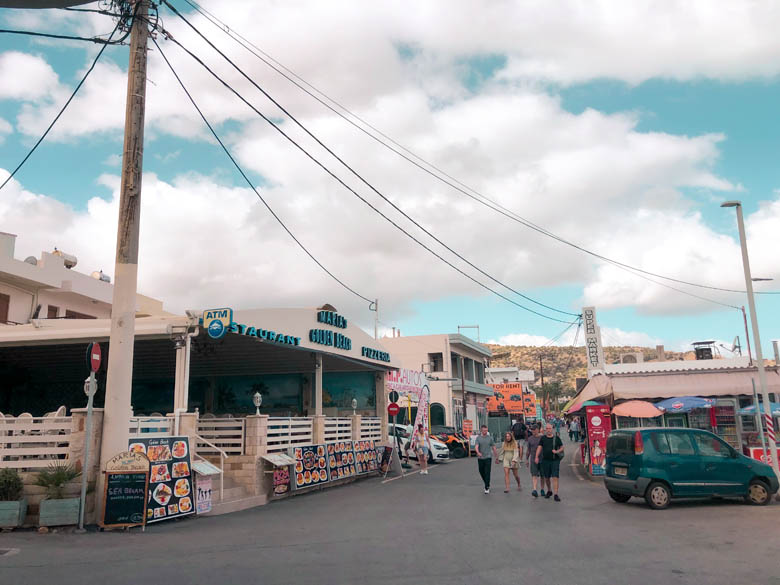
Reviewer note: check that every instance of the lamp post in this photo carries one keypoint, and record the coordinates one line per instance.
(772, 454)
(257, 400)
(354, 406)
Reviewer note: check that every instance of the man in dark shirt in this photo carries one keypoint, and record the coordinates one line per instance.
(548, 455)
(533, 466)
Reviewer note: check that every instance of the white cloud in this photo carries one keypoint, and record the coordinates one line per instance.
(25, 77)
(113, 160)
(5, 128)
(610, 336)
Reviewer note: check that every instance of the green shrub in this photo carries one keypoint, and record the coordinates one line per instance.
(55, 477)
(11, 487)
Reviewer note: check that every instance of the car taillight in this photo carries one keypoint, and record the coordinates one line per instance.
(639, 445)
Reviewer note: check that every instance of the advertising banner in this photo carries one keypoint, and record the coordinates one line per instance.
(365, 456)
(311, 466)
(171, 492)
(406, 382)
(599, 427)
(422, 413)
(203, 500)
(341, 460)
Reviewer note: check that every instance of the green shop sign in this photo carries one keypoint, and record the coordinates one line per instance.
(263, 334)
(375, 354)
(331, 318)
(331, 338)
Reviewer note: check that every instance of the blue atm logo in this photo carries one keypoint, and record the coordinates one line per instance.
(217, 321)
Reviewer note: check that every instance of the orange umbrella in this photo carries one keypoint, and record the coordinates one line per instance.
(636, 409)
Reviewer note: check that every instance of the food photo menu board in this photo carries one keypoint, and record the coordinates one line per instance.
(341, 460)
(365, 457)
(171, 492)
(311, 466)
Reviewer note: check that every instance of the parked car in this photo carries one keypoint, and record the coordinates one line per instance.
(438, 452)
(661, 464)
(455, 440)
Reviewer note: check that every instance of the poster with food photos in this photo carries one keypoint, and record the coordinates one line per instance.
(341, 460)
(171, 493)
(311, 466)
(365, 457)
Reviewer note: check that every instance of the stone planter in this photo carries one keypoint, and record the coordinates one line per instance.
(12, 513)
(59, 512)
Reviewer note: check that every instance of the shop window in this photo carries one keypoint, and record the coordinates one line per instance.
(436, 360)
(51, 312)
(338, 390)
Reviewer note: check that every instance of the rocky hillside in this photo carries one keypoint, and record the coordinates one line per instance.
(565, 364)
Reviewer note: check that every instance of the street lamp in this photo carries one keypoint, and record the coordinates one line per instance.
(257, 400)
(772, 454)
(354, 406)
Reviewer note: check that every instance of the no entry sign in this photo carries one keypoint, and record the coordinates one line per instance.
(393, 409)
(94, 356)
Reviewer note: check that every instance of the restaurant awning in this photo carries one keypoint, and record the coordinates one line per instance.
(597, 387)
(636, 409)
(688, 384)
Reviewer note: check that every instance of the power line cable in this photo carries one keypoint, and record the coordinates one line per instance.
(97, 40)
(455, 184)
(248, 181)
(358, 175)
(350, 189)
(62, 110)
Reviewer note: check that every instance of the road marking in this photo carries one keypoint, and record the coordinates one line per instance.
(404, 475)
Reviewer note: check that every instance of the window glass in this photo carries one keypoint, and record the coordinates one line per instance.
(660, 443)
(710, 446)
(680, 443)
(620, 444)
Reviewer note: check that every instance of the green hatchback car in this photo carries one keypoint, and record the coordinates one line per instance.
(660, 464)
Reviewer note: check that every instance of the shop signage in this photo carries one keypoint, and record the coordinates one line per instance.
(341, 460)
(405, 382)
(331, 338)
(264, 334)
(171, 493)
(422, 411)
(125, 498)
(331, 318)
(375, 354)
(311, 466)
(217, 321)
(593, 347)
(365, 456)
(203, 486)
(281, 480)
(599, 427)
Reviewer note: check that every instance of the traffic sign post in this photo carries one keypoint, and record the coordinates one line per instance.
(393, 409)
(94, 357)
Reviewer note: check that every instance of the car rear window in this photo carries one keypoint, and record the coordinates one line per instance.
(620, 444)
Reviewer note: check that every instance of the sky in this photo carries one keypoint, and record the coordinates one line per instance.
(619, 127)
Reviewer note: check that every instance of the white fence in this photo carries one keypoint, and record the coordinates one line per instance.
(225, 433)
(28, 443)
(283, 433)
(151, 426)
(370, 429)
(338, 429)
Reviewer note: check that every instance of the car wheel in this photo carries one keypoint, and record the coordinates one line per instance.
(658, 495)
(758, 493)
(619, 498)
(459, 452)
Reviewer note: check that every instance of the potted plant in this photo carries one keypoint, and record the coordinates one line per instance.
(13, 506)
(56, 509)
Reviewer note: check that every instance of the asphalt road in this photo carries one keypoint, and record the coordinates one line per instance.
(434, 529)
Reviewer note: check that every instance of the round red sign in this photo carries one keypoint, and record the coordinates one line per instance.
(393, 409)
(94, 356)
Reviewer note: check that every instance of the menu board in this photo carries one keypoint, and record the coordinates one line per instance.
(311, 466)
(365, 457)
(341, 460)
(281, 480)
(385, 453)
(127, 479)
(171, 492)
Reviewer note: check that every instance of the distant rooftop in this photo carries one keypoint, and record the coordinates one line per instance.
(679, 366)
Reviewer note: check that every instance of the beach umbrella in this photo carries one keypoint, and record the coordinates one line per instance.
(637, 409)
(683, 404)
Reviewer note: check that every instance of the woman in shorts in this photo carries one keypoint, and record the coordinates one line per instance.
(422, 447)
(510, 454)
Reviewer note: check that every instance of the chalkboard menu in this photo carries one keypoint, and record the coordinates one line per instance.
(341, 460)
(365, 457)
(127, 482)
(171, 493)
(311, 466)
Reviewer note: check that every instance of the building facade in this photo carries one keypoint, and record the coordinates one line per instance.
(455, 367)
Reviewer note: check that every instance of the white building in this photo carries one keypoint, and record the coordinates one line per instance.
(458, 363)
(49, 288)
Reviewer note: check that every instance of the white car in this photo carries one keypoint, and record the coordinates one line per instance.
(438, 452)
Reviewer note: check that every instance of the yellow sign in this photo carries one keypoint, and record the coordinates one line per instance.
(217, 321)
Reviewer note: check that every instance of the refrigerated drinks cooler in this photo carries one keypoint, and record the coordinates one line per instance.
(721, 419)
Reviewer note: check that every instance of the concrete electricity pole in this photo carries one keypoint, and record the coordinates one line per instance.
(120, 357)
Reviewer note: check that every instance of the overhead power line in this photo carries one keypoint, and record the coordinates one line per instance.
(350, 189)
(249, 182)
(442, 176)
(358, 175)
(62, 110)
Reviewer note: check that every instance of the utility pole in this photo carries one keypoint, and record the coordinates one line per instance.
(541, 371)
(119, 380)
(747, 336)
(376, 318)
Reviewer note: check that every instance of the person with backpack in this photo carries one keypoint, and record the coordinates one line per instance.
(519, 430)
(548, 456)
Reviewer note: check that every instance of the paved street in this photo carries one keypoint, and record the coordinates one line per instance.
(439, 529)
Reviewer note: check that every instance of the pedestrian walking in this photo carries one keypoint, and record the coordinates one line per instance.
(510, 453)
(530, 459)
(570, 428)
(574, 430)
(422, 446)
(549, 454)
(519, 431)
(483, 446)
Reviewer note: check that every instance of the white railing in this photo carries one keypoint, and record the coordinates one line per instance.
(283, 433)
(151, 426)
(338, 429)
(224, 435)
(370, 429)
(34, 442)
(222, 456)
